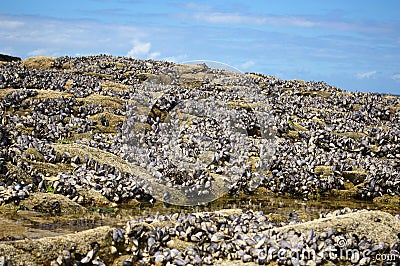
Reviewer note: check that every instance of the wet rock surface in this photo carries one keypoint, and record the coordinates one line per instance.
(62, 154)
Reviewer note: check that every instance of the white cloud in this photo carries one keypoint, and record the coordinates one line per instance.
(38, 52)
(247, 64)
(67, 37)
(7, 50)
(154, 54)
(234, 18)
(197, 7)
(396, 77)
(366, 75)
(10, 24)
(141, 50)
(176, 59)
(298, 21)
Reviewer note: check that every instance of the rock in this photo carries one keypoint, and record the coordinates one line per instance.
(376, 225)
(388, 200)
(93, 197)
(42, 251)
(355, 177)
(54, 204)
(39, 62)
(120, 260)
(9, 58)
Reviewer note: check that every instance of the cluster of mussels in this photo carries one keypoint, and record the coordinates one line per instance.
(326, 138)
(209, 238)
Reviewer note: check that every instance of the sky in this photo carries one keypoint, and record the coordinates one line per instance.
(351, 44)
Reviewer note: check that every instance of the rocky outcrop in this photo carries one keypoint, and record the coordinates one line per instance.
(8, 58)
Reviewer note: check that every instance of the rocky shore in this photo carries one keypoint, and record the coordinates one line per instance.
(348, 236)
(63, 134)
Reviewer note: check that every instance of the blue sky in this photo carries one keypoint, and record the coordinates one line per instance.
(354, 45)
